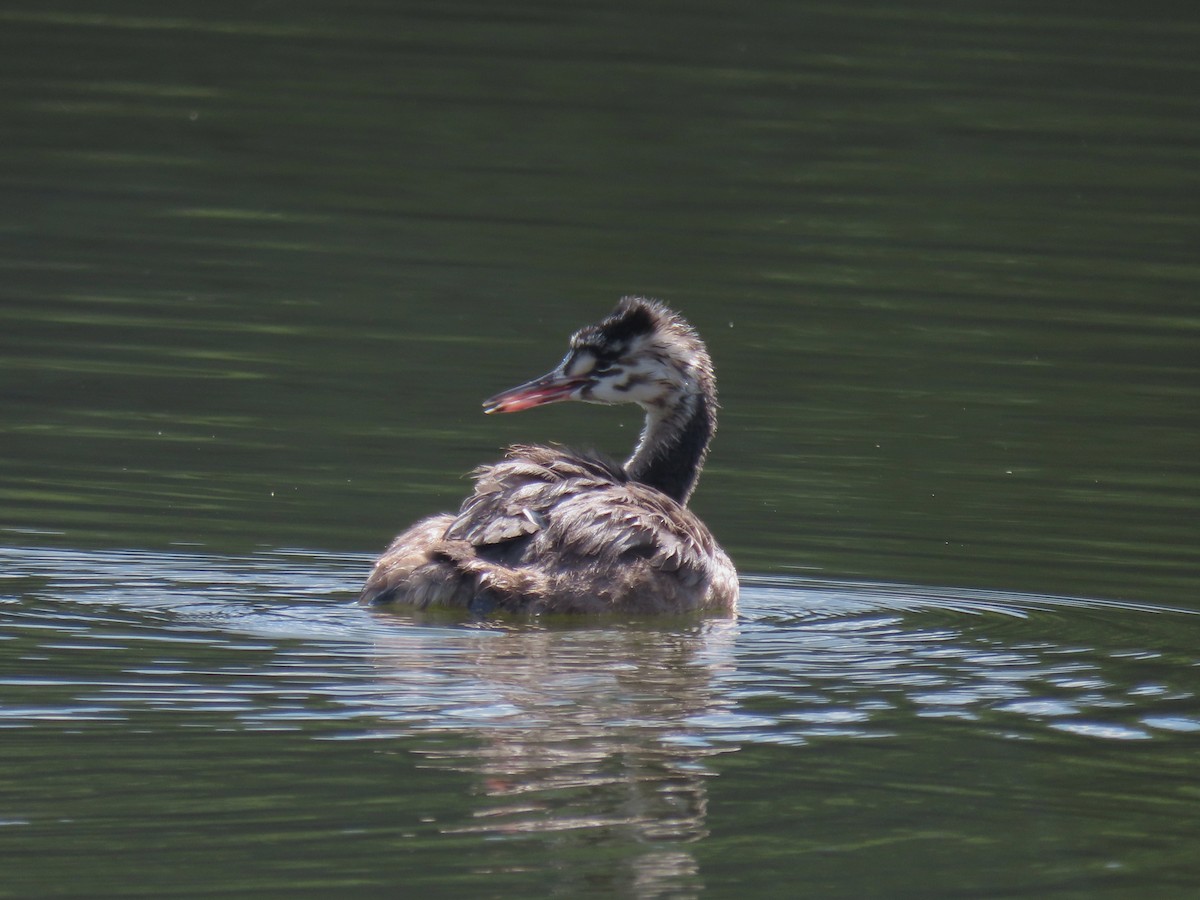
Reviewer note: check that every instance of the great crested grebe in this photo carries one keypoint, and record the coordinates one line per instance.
(552, 530)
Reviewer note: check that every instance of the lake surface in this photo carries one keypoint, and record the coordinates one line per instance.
(262, 262)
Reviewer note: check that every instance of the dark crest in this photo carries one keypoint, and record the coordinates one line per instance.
(633, 317)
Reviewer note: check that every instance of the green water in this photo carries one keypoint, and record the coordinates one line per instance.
(262, 262)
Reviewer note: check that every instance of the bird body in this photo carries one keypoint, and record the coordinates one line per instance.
(552, 530)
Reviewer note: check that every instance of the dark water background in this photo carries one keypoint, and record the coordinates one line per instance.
(259, 264)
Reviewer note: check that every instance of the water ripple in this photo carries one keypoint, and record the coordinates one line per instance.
(271, 640)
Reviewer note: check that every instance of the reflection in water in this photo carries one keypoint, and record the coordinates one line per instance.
(585, 734)
(807, 660)
(593, 752)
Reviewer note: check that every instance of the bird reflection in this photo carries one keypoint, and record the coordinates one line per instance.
(580, 737)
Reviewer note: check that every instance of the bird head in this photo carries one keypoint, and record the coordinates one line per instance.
(641, 353)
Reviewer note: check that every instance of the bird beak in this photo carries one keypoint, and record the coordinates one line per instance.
(550, 388)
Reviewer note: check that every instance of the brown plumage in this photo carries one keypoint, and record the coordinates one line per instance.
(552, 530)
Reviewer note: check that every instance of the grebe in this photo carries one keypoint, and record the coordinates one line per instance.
(552, 530)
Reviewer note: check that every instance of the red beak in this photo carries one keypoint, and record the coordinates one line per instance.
(550, 388)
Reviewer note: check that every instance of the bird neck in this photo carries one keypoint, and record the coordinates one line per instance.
(671, 450)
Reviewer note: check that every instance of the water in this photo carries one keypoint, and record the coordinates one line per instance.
(181, 723)
(261, 265)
